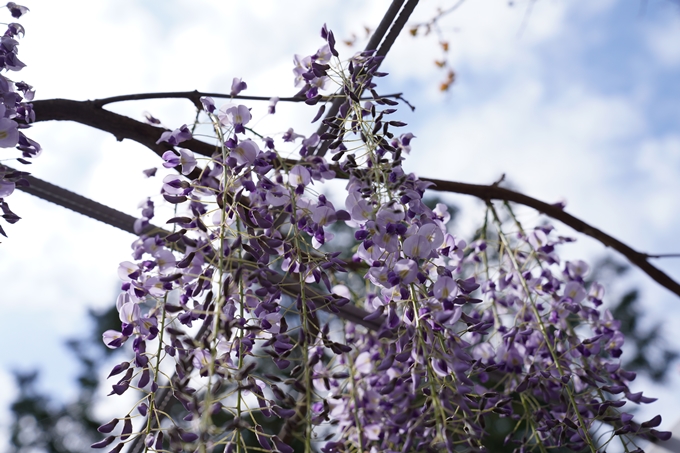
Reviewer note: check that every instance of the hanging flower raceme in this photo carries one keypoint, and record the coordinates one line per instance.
(245, 315)
(16, 113)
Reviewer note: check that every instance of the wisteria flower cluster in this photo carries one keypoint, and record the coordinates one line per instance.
(249, 316)
(16, 113)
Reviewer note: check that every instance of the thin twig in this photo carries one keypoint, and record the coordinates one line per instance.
(195, 97)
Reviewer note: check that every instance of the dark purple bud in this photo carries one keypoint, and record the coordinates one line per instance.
(376, 314)
(283, 413)
(342, 215)
(281, 447)
(262, 439)
(661, 435)
(144, 378)
(653, 423)
(108, 427)
(386, 364)
(340, 348)
(117, 448)
(127, 428)
(188, 437)
(119, 368)
(141, 360)
(159, 441)
(319, 113)
(360, 235)
(627, 375)
(614, 389)
(282, 364)
(639, 398)
(119, 389)
(103, 443)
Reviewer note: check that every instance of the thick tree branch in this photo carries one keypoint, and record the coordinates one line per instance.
(122, 127)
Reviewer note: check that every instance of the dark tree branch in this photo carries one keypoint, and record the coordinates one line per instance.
(122, 127)
(499, 193)
(397, 27)
(86, 112)
(195, 97)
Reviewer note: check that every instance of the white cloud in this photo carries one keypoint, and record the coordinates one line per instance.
(657, 165)
(662, 38)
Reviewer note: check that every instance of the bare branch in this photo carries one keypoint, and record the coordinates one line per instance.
(663, 255)
(492, 192)
(195, 97)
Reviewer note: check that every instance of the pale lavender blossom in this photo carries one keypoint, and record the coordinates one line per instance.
(245, 152)
(417, 246)
(299, 175)
(290, 135)
(6, 188)
(165, 260)
(271, 108)
(177, 136)
(9, 133)
(445, 288)
(186, 159)
(128, 271)
(237, 117)
(237, 85)
(208, 104)
(113, 339)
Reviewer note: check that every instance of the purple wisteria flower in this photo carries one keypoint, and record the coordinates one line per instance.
(271, 108)
(9, 133)
(150, 172)
(237, 117)
(237, 85)
(208, 104)
(245, 152)
(177, 136)
(16, 10)
(186, 159)
(6, 188)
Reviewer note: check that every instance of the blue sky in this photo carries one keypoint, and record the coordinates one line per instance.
(582, 106)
